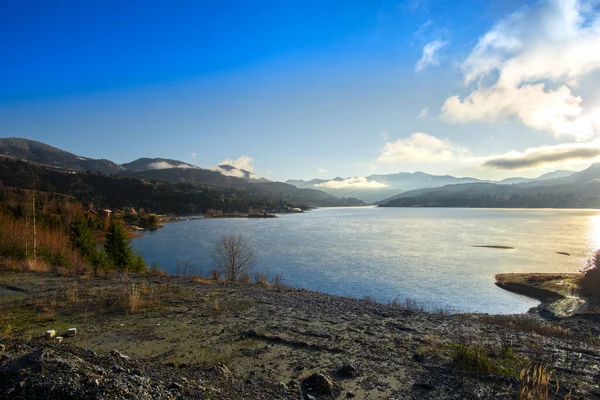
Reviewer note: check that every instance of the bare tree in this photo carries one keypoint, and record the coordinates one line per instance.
(233, 256)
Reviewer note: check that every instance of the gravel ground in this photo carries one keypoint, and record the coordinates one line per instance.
(202, 340)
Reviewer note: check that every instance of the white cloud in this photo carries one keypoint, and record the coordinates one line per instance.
(352, 183)
(423, 113)
(527, 65)
(231, 172)
(321, 170)
(239, 164)
(193, 156)
(166, 165)
(244, 162)
(430, 56)
(419, 147)
(543, 156)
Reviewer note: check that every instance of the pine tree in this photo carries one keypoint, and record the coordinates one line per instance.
(81, 237)
(138, 265)
(117, 247)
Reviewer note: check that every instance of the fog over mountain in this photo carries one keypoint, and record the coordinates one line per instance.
(423, 188)
(377, 187)
(222, 178)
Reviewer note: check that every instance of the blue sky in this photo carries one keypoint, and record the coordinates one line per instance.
(303, 89)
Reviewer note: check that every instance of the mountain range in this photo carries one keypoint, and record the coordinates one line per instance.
(576, 190)
(378, 188)
(222, 177)
(556, 189)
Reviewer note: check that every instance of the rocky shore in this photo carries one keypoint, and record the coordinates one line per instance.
(180, 337)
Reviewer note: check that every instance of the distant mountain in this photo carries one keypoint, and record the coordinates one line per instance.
(380, 188)
(376, 187)
(229, 170)
(41, 153)
(148, 164)
(561, 173)
(569, 190)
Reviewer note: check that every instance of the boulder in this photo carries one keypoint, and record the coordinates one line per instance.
(319, 383)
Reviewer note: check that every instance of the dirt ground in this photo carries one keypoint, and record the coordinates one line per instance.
(270, 339)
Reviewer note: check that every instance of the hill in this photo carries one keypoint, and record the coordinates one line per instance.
(185, 184)
(381, 188)
(41, 153)
(577, 190)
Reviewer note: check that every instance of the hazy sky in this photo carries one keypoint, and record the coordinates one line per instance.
(304, 89)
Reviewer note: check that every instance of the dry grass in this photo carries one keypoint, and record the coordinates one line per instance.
(6, 325)
(129, 298)
(47, 309)
(530, 325)
(245, 278)
(72, 294)
(277, 280)
(202, 280)
(261, 278)
(53, 247)
(535, 383)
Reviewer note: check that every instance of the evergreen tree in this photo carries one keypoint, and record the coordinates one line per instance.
(139, 265)
(81, 237)
(117, 247)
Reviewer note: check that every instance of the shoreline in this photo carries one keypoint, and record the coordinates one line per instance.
(558, 293)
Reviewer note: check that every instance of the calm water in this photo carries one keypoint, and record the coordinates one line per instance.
(420, 253)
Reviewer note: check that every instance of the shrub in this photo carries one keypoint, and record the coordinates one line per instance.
(234, 256)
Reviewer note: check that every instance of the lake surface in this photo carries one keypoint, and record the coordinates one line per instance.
(425, 254)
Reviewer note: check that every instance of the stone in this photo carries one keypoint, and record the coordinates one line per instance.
(221, 369)
(348, 371)
(59, 339)
(2, 348)
(72, 332)
(119, 355)
(283, 387)
(350, 395)
(319, 384)
(50, 334)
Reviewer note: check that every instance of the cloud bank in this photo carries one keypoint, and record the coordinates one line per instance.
(539, 156)
(526, 67)
(352, 183)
